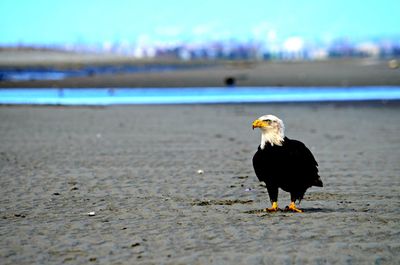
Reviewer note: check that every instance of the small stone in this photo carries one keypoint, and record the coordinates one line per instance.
(56, 193)
(393, 64)
(200, 171)
(91, 213)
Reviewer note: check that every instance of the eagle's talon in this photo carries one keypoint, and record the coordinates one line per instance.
(292, 208)
(271, 210)
(274, 208)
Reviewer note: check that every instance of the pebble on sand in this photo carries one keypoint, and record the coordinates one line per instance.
(393, 64)
(91, 213)
(200, 171)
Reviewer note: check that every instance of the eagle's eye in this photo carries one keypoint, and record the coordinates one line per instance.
(268, 121)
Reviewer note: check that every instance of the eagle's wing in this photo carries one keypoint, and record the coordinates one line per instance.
(305, 162)
(259, 165)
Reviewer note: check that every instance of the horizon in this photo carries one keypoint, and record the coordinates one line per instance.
(176, 22)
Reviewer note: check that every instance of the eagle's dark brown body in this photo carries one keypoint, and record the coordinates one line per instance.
(291, 167)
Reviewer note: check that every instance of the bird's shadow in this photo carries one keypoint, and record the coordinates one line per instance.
(305, 211)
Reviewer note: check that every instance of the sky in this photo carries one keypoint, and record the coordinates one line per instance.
(49, 22)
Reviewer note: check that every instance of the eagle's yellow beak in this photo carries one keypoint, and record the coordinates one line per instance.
(259, 124)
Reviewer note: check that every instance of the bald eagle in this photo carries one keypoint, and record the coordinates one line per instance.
(283, 163)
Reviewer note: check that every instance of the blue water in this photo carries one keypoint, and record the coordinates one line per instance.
(94, 96)
(50, 73)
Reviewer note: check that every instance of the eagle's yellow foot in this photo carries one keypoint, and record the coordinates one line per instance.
(292, 207)
(274, 208)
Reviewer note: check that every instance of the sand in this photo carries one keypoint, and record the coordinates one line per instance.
(136, 168)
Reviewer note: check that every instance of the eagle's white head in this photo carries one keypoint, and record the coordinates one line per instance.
(272, 130)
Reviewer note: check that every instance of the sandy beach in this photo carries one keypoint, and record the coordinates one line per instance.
(136, 168)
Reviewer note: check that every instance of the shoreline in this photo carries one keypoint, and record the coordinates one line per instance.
(336, 73)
